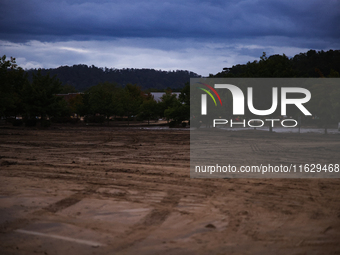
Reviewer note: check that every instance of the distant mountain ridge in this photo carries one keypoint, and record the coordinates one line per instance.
(309, 64)
(83, 77)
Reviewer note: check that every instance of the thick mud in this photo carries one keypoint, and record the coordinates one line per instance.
(98, 190)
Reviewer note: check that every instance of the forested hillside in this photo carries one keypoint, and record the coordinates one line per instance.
(310, 64)
(324, 104)
(114, 92)
(83, 77)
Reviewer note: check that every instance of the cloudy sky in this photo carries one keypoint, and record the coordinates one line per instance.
(196, 35)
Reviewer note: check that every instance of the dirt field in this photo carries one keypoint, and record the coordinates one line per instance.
(96, 190)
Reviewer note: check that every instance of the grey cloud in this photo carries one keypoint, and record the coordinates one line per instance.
(55, 20)
(201, 36)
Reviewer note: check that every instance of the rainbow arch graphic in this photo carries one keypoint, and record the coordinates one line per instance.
(209, 93)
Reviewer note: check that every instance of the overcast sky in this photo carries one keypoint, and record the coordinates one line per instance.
(196, 35)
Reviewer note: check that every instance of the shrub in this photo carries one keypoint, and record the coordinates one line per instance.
(17, 123)
(95, 119)
(173, 124)
(30, 122)
(45, 123)
(60, 119)
(74, 120)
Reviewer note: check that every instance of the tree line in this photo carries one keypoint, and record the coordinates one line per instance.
(34, 95)
(325, 100)
(311, 64)
(39, 99)
(82, 77)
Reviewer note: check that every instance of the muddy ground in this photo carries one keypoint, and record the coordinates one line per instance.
(106, 190)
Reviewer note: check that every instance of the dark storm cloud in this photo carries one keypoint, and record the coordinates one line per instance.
(196, 35)
(23, 20)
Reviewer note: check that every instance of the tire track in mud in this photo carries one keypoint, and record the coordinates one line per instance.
(66, 202)
(109, 139)
(254, 147)
(322, 194)
(158, 215)
(265, 147)
(52, 208)
(141, 230)
(121, 177)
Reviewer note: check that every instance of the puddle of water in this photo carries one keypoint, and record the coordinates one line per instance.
(275, 129)
(289, 130)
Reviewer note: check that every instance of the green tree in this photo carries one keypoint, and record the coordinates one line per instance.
(131, 98)
(148, 109)
(168, 100)
(179, 109)
(184, 96)
(67, 88)
(12, 80)
(333, 74)
(76, 104)
(40, 98)
(178, 112)
(102, 99)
